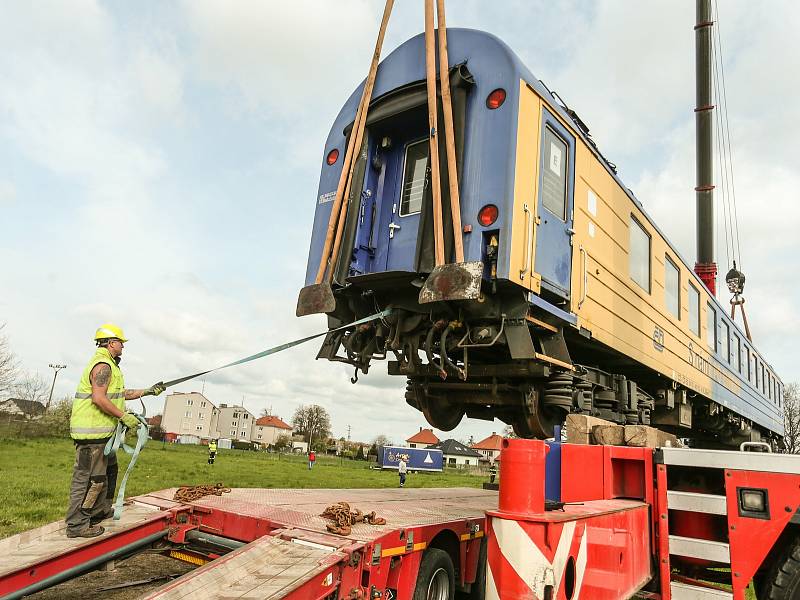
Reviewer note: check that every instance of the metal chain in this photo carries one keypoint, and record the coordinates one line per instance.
(344, 518)
(190, 493)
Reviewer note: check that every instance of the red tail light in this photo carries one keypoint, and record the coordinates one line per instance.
(496, 99)
(333, 155)
(488, 215)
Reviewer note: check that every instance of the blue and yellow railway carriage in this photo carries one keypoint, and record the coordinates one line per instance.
(584, 305)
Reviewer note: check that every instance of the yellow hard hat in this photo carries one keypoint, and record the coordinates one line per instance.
(109, 330)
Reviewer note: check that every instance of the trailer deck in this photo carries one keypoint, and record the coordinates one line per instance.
(286, 540)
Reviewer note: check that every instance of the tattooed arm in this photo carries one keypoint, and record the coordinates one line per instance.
(134, 394)
(100, 377)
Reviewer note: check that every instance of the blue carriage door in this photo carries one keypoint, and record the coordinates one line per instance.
(555, 209)
(406, 169)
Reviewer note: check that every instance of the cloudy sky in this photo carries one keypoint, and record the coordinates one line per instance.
(159, 164)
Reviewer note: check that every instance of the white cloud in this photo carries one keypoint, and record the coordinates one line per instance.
(164, 162)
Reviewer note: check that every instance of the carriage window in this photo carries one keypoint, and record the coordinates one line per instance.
(712, 327)
(672, 287)
(694, 310)
(726, 342)
(414, 178)
(737, 348)
(763, 380)
(749, 369)
(639, 255)
(769, 385)
(755, 364)
(554, 174)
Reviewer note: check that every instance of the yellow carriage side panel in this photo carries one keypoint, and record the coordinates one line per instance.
(609, 303)
(523, 230)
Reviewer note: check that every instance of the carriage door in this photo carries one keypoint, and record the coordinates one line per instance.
(555, 208)
(403, 149)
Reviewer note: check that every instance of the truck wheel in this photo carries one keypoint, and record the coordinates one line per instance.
(478, 590)
(782, 582)
(436, 578)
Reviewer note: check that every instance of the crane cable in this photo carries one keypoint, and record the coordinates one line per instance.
(724, 150)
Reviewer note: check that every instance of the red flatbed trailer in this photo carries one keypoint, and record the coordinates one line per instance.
(631, 527)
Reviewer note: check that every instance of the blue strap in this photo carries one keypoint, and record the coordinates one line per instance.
(117, 442)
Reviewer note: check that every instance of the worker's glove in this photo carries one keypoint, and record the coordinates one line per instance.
(155, 390)
(130, 420)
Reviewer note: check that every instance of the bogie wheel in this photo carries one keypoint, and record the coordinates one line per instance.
(436, 578)
(782, 582)
(439, 412)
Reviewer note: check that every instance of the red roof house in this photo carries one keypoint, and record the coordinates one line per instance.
(490, 447)
(422, 439)
(267, 430)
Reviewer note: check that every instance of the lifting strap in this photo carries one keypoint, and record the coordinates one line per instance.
(118, 439)
(339, 207)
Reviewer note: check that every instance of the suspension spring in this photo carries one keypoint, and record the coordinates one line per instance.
(558, 391)
(584, 395)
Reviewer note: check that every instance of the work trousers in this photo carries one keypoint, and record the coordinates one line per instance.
(211, 457)
(94, 478)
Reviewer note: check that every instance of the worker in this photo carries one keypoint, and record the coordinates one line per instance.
(401, 470)
(311, 459)
(212, 451)
(492, 472)
(98, 406)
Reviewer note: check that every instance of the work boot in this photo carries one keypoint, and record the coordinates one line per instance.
(87, 532)
(106, 514)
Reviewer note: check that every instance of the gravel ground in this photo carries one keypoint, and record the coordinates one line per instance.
(141, 566)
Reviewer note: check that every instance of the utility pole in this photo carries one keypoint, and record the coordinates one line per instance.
(56, 369)
(348, 433)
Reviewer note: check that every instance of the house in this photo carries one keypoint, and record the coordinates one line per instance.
(456, 454)
(188, 416)
(424, 438)
(490, 447)
(17, 406)
(234, 422)
(267, 430)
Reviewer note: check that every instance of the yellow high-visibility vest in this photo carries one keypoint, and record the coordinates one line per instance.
(88, 422)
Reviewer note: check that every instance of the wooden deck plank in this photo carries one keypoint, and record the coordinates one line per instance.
(35, 545)
(265, 568)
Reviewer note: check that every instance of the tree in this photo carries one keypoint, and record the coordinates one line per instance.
(8, 364)
(283, 442)
(508, 432)
(312, 422)
(381, 440)
(791, 415)
(56, 420)
(31, 387)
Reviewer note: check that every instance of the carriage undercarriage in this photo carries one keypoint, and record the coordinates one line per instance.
(498, 358)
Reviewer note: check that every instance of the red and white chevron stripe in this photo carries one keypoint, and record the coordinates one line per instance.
(599, 550)
(529, 560)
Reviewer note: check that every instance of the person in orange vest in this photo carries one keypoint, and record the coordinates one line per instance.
(311, 458)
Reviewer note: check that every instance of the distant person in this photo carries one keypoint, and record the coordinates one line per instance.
(212, 451)
(311, 459)
(492, 472)
(402, 469)
(98, 406)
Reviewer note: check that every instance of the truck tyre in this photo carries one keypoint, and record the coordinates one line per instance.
(782, 582)
(478, 590)
(436, 578)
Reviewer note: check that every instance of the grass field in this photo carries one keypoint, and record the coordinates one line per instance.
(36, 475)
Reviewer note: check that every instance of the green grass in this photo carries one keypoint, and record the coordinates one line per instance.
(36, 475)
